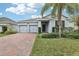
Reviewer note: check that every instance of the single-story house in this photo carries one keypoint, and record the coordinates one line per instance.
(4, 22)
(46, 24)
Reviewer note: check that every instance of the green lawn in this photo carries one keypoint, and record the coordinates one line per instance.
(2, 35)
(55, 47)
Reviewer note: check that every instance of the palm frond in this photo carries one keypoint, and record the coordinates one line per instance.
(54, 10)
(46, 7)
(72, 8)
(69, 10)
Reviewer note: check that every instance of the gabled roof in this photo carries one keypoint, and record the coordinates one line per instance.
(53, 16)
(29, 20)
(5, 20)
(48, 17)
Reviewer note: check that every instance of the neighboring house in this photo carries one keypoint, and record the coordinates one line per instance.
(47, 24)
(4, 22)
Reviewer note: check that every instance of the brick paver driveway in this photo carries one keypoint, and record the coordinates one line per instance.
(19, 44)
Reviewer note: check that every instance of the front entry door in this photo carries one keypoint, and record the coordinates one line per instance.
(43, 28)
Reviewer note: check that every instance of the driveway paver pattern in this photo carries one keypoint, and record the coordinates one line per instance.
(19, 44)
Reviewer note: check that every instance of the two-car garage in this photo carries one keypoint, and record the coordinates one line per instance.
(28, 27)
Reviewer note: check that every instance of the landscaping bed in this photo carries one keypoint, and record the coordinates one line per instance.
(71, 35)
(2, 35)
(7, 30)
(6, 33)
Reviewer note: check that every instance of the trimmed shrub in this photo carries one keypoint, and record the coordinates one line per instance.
(4, 29)
(10, 30)
(72, 35)
(39, 30)
(65, 34)
(75, 36)
(50, 35)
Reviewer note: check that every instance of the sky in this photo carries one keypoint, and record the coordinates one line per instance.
(20, 11)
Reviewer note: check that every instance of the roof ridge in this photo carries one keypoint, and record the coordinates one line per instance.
(8, 19)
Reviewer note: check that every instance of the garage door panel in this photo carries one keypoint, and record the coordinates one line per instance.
(24, 28)
(33, 28)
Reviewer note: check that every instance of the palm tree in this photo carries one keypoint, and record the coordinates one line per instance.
(57, 10)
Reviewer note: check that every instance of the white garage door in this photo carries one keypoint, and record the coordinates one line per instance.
(33, 28)
(24, 28)
(30, 28)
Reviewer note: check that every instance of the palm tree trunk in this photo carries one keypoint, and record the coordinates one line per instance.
(59, 21)
(59, 28)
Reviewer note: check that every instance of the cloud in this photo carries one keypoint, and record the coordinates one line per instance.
(1, 13)
(35, 5)
(22, 8)
(32, 5)
(36, 16)
(19, 9)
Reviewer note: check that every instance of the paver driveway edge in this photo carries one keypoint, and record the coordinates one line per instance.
(32, 46)
(19, 44)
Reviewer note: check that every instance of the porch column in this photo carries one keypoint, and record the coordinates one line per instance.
(50, 26)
